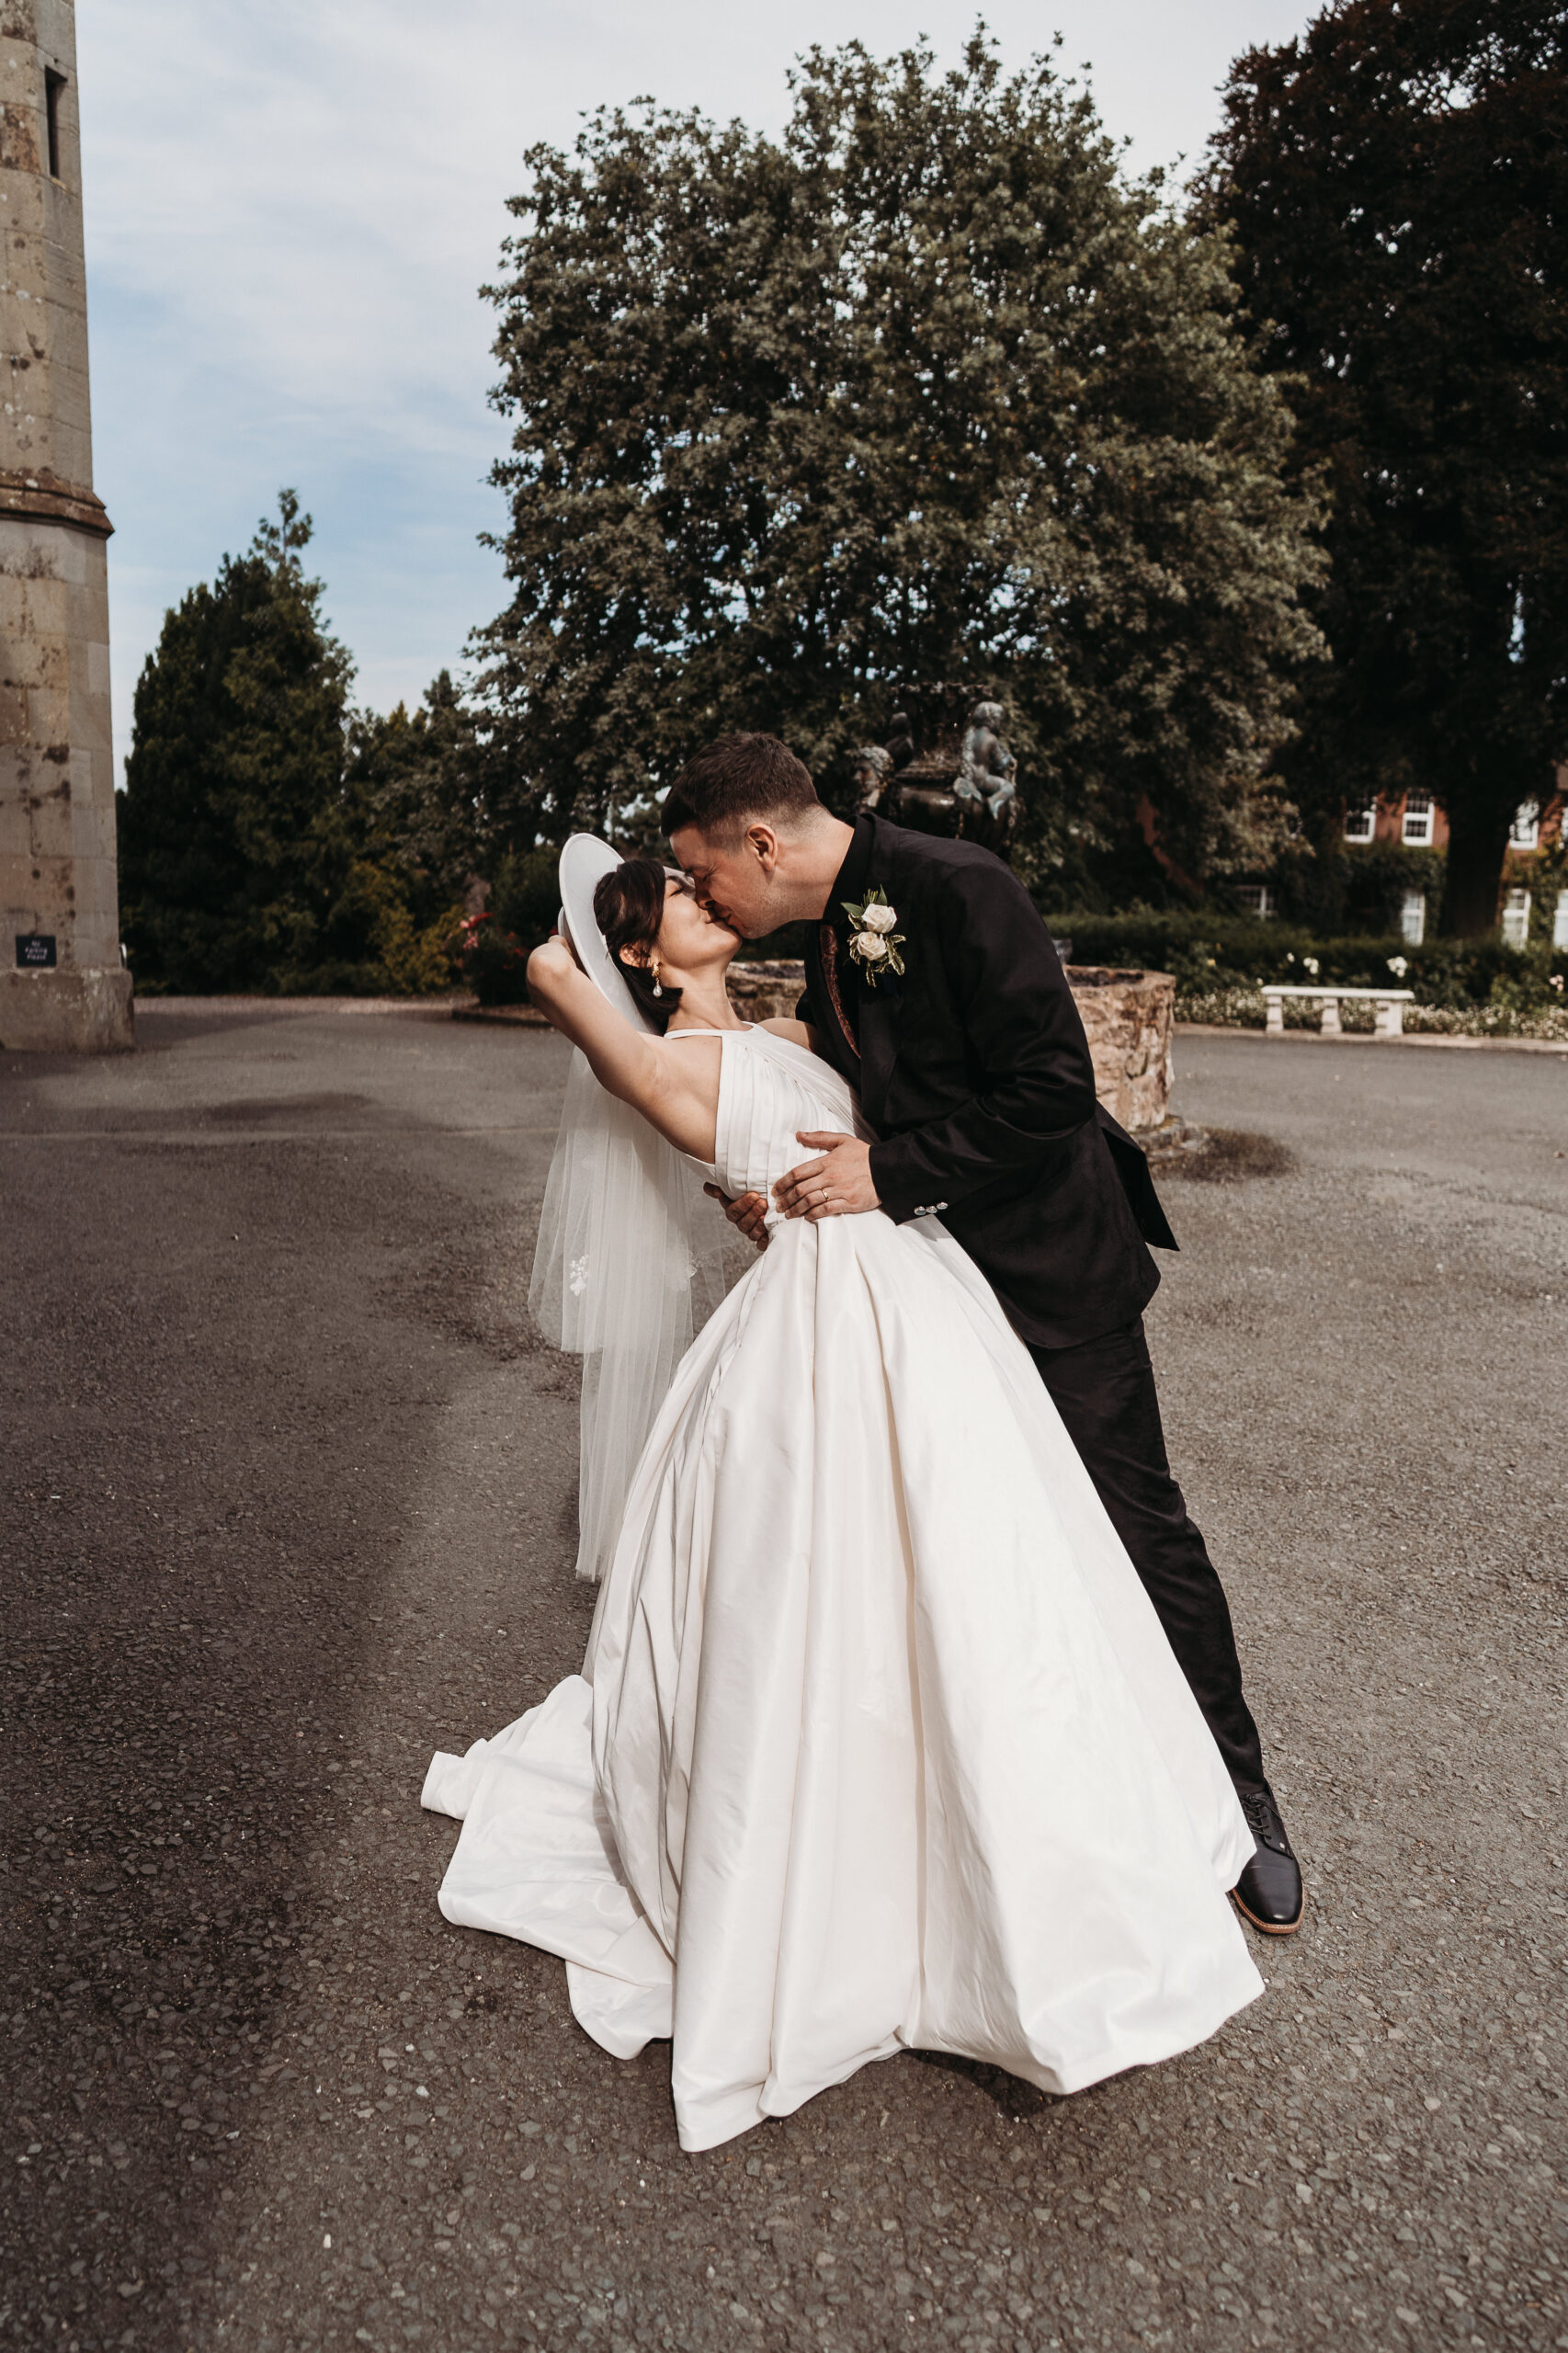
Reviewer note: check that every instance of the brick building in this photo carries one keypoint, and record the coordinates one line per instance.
(1533, 899)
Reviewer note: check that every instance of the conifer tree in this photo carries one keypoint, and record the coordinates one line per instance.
(233, 832)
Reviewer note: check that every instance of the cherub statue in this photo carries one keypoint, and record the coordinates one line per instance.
(901, 742)
(986, 764)
(873, 768)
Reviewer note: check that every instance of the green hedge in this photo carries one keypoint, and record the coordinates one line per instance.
(1210, 954)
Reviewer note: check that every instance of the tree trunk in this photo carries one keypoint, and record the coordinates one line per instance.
(1473, 874)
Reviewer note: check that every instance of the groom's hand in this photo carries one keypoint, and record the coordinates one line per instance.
(745, 1212)
(838, 1184)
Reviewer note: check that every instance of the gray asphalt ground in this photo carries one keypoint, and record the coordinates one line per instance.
(287, 1493)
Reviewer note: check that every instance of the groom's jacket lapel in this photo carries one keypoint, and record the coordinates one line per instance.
(881, 1003)
(975, 1072)
(878, 1048)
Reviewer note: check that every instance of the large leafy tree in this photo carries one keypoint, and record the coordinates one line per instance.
(922, 400)
(1399, 181)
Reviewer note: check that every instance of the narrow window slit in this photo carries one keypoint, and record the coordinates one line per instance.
(53, 84)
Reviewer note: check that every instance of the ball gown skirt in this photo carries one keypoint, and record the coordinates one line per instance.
(878, 1743)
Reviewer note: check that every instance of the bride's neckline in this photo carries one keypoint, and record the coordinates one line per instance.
(819, 1062)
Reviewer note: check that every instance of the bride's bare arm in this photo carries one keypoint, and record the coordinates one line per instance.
(678, 1094)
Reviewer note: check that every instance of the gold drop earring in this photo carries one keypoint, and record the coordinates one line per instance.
(653, 968)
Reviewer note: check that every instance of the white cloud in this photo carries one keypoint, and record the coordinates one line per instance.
(289, 209)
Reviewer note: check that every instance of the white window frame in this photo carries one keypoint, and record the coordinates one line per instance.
(1419, 823)
(1560, 921)
(1525, 831)
(1361, 825)
(1267, 907)
(1412, 918)
(1515, 919)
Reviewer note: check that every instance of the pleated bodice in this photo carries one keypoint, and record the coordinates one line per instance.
(769, 1092)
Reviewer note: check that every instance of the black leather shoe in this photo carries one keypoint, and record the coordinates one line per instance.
(1269, 1892)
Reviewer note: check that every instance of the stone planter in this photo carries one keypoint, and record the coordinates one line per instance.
(1127, 1016)
(767, 992)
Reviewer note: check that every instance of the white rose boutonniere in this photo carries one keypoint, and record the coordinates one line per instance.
(873, 943)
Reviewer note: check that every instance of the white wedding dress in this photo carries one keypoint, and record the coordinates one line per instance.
(878, 1743)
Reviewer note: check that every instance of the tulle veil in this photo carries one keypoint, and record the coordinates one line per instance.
(630, 1257)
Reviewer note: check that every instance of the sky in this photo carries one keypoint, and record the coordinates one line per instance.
(291, 208)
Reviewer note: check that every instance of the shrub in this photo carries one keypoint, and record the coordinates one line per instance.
(493, 949)
(491, 961)
(526, 896)
(1488, 1021)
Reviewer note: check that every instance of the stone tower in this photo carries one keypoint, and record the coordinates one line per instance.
(62, 985)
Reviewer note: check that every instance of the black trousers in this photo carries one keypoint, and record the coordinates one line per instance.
(1104, 1391)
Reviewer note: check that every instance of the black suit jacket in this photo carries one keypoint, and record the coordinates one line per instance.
(974, 1071)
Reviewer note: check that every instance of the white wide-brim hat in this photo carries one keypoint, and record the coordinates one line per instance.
(585, 862)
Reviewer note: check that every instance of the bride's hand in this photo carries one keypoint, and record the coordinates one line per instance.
(839, 1185)
(745, 1212)
(552, 962)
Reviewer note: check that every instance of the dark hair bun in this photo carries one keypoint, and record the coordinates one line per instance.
(629, 907)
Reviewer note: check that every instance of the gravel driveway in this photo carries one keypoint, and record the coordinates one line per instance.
(287, 1494)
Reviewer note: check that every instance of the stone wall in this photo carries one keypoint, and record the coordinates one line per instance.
(1127, 1016)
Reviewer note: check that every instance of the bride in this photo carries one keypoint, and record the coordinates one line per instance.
(878, 1743)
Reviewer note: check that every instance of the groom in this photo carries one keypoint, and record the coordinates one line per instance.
(972, 1067)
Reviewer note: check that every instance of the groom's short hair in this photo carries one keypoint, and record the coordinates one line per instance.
(735, 780)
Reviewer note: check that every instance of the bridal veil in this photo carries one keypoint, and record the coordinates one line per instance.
(629, 1259)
